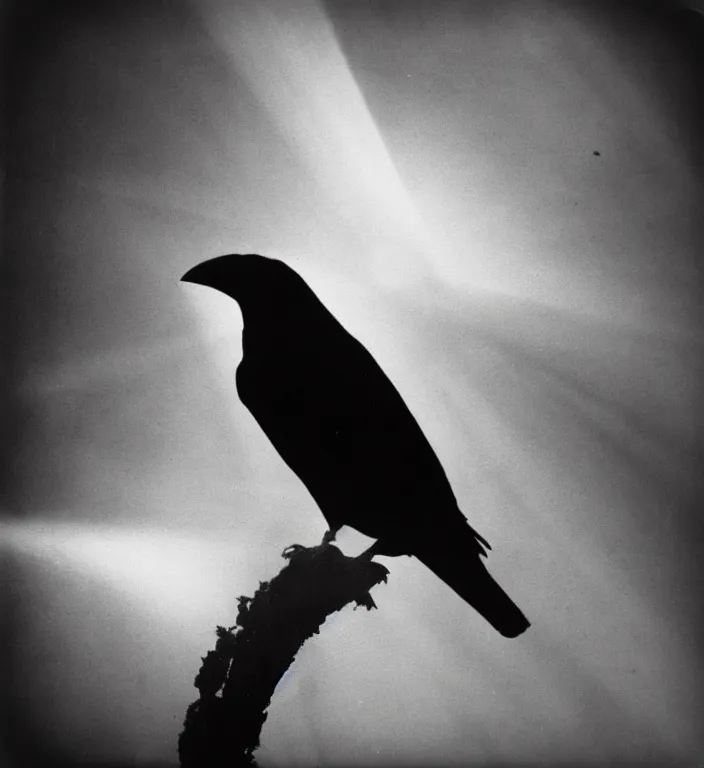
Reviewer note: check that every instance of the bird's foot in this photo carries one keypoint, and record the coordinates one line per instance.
(292, 550)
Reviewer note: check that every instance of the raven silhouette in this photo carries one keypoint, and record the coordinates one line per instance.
(341, 425)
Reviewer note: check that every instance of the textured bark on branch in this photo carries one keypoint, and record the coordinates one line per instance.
(238, 678)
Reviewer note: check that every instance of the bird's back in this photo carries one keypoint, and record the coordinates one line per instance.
(342, 426)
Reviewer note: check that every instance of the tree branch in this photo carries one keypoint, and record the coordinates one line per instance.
(237, 680)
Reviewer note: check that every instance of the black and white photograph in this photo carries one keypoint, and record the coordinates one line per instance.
(352, 384)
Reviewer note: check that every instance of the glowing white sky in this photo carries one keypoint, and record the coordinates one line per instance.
(431, 173)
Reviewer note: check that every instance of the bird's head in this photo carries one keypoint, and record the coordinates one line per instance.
(244, 277)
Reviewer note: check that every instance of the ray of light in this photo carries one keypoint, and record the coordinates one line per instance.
(291, 59)
(164, 571)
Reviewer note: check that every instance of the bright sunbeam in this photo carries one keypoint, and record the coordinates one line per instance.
(292, 61)
(177, 577)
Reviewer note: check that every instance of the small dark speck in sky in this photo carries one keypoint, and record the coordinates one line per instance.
(598, 154)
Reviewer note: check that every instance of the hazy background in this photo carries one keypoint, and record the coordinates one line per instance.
(501, 200)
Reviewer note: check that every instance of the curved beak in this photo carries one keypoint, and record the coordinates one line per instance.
(210, 272)
(195, 275)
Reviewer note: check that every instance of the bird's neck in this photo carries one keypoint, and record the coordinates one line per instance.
(262, 332)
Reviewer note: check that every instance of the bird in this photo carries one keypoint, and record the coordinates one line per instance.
(343, 428)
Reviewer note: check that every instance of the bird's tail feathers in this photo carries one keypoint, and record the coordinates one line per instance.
(482, 541)
(462, 570)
